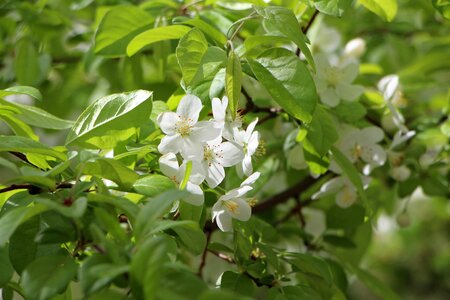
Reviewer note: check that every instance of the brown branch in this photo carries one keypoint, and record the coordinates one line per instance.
(293, 191)
(34, 189)
(205, 252)
(23, 158)
(307, 26)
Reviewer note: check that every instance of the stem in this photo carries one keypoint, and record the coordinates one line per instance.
(205, 252)
(307, 27)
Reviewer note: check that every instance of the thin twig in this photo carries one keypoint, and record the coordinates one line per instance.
(307, 27)
(23, 158)
(205, 252)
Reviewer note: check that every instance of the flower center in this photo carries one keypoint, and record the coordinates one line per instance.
(333, 76)
(208, 154)
(183, 126)
(231, 206)
(348, 196)
(357, 151)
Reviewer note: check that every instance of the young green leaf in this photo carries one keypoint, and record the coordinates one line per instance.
(333, 7)
(153, 185)
(22, 89)
(385, 9)
(5, 266)
(48, 276)
(148, 37)
(281, 21)
(190, 51)
(111, 119)
(111, 169)
(322, 132)
(26, 145)
(288, 81)
(233, 84)
(118, 27)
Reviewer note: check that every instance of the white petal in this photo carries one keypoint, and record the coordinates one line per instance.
(224, 221)
(215, 175)
(191, 150)
(198, 173)
(242, 211)
(205, 131)
(170, 143)
(249, 131)
(355, 47)
(247, 167)
(349, 91)
(329, 97)
(253, 143)
(168, 165)
(229, 154)
(195, 196)
(236, 193)
(251, 179)
(346, 197)
(349, 72)
(388, 85)
(219, 108)
(167, 121)
(330, 187)
(372, 134)
(375, 154)
(239, 136)
(190, 107)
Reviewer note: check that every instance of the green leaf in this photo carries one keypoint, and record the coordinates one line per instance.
(190, 51)
(338, 241)
(443, 6)
(238, 283)
(148, 37)
(281, 21)
(322, 132)
(153, 185)
(310, 264)
(35, 116)
(118, 27)
(97, 271)
(385, 9)
(192, 237)
(18, 126)
(13, 218)
(333, 7)
(349, 170)
(374, 284)
(345, 218)
(288, 81)
(108, 120)
(349, 112)
(111, 169)
(123, 204)
(76, 210)
(209, 30)
(26, 63)
(155, 209)
(26, 145)
(22, 245)
(233, 84)
(22, 89)
(5, 266)
(48, 276)
(147, 266)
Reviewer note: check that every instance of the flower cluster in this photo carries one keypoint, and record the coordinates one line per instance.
(209, 147)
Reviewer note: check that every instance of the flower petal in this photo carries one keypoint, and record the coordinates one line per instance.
(253, 143)
(346, 197)
(170, 143)
(249, 130)
(219, 108)
(375, 154)
(330, 187)
(371, 134)
(167, 121)
(205, 131)
(247, 167)
(251, 179)
(229, 154)
(241, 210)
(236, 193)
(215, 175)
(190, 107)
(168, 164)
(195, 196)
(349, 92)
(349, 72)
(329, 97)
(224, 221)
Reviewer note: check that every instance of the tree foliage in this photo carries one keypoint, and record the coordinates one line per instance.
(173, 149)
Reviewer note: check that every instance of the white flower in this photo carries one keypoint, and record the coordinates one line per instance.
(346, 193)
(333, 83)
(216, 156)
(183, 131)
(249, 141)
(362, 144)
(400, 173)
(168, 165)
(223, 119)
(324, 39)
(355, 48)
(389, 86)
(233, 205)
(401, 137)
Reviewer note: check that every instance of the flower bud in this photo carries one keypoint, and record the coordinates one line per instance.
(355, 47)
(403, 220)
(400, 173)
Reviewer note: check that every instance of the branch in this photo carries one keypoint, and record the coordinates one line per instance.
(284, 196)
(33, 189)
(23, 158)
(203, 261)
(307, 26)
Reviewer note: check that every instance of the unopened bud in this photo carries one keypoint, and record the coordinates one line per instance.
(400, 173)
(403, 220)
(355, 47)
